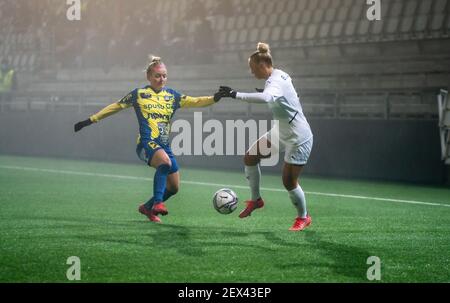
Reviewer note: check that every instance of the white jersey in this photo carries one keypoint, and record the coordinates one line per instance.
(280, 95)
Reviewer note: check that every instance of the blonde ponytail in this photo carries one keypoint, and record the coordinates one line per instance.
(263, 48)
(262, 54)
(153, 61)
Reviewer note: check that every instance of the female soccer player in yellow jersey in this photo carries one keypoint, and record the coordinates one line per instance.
(155, 106)
(293, 131)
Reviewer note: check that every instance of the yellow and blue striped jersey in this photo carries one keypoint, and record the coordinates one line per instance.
(154, 111)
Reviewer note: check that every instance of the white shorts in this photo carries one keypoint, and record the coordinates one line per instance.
(296, 154)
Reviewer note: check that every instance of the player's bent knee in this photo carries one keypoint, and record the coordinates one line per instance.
(160, 158)
(289, 183)
(166, 162)
(290, 186)
(164, 167)
(174, 190)
(251, 160)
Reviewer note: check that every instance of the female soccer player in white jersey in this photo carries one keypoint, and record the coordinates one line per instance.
(155, 106)
(293, 131)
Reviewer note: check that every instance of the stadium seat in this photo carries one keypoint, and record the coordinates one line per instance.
(231, 23)
(273, 18)
(421, 23)
(299, 32)
(251, 21)
(254, 35)
(270, 6)
(392, 25)
(350, 28)
(313, 5)
(16, 60)
(243, 36)
(363, 28)
(241, 20)
(31, 62)
(377, 27)
(291, 5)
(385, 8)
(330, 14)
(167, 7)
(259, 8)
(302, 5)
(336, 31)
(358, 11)
(439, 6)
(318, 15)
(265, 33)
(437, 22)
(232, 37)
(294, 18)
(275, 35)
(324, 30)
(284, 18)
(23, 62)
(325, 4)
(222, 38)
(244, 6)
(411, 106)
(311, 32)
(306, 17)
(219, 23)
(358, 106)
(287, 33)
(406, 24)
(411, 7)
(279, 7)
(396, 9)
(262, 21)
(346, 3)
(342, 14)
(425, 7)
(191, 26)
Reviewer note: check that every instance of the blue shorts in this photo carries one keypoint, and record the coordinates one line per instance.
(145, 152)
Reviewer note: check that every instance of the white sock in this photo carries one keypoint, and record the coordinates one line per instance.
(298, 199)
(253, 175)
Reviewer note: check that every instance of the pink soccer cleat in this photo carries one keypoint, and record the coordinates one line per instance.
(159, 209)
(251, 206)
(149, 213)
(301, 223)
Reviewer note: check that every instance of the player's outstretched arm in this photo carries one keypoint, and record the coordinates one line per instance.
(105, 112)
(260, 97)
(187, 101)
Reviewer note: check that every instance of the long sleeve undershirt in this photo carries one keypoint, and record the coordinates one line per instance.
(255, 97)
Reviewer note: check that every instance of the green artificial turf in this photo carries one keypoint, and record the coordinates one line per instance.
(52, 209)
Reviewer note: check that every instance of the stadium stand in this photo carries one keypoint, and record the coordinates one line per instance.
(344, 65)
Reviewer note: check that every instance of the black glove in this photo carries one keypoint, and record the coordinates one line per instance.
(227, 92)
(82, 124)
(259, 90)
(217, 96)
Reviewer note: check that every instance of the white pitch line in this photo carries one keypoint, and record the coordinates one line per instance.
(70, 172)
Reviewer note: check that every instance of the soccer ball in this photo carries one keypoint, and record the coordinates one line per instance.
(225, 201)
